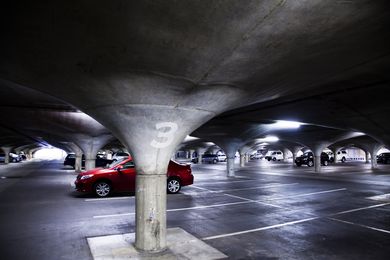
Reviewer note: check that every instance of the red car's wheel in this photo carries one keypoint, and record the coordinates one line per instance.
(173, 186)
(102, 189)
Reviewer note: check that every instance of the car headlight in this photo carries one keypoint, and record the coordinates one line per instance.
(84, 177)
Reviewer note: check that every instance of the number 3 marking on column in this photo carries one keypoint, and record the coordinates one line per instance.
(168, 135)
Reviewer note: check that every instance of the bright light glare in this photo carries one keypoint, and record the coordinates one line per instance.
(50, 154)
(286, 124)
(190, 138)
(270, 139)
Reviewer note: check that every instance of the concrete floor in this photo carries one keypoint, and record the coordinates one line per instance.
(270, 210)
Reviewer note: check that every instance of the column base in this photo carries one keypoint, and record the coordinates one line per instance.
(181, 245)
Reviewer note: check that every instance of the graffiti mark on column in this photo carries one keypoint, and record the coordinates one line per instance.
(166, 137)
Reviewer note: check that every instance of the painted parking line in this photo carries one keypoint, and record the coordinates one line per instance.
(359, 209)
(241, 189)
(259, 229)
(180, 209)
(309, 194)
(246, 201)
(304, 220)
(111, 198)
(360, 225)
(255, 201)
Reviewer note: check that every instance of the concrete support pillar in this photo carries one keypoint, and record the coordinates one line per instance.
(286, 152)
(230, 152)
(200, 152)
(230, 166)
(78, 162)
(79, 153)
(367, 157)
(6, 150)
(247, 156)
(90, 146)
(317, 163)
(374, 150)
(318, 148)
(151, 199)
(242, 160)
(192, 154)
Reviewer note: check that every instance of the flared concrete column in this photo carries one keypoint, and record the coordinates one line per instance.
(192, 154)
(318, 148)
(374, 150)
(317, 163)
(242, 160)
(78, 162)
(90, 146)
(285, 154)
(200, 152)
(78, 153)
(6, 150)
(366, 157)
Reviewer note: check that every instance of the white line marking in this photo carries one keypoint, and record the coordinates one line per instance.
(112, 198)
(359, 209)
(200, 188)
(359, 225)
(259, 229)
(251, 188)
(313, 193)
(218, 205)
(211, 206)
(227, 182)
(255, 201)
(260, 187)
(114, 215)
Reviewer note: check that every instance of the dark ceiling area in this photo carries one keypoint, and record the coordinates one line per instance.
(246, 64)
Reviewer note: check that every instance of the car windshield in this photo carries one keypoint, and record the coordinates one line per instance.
(115, 163)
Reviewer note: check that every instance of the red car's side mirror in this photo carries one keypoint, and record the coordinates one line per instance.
(119, 168)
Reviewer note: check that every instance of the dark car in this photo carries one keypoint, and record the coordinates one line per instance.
(383, 158)
(308, 159)
(70, 160)
(120, 177)
(210, 158)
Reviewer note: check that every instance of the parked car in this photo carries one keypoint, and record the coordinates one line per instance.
(331, 156)
(120, 155)
(70, 160)
(383, 158)
(274, 155)
(221, 157)
(120, 177)
(308, 159)
(14, 157)
(210, 158)
(342, 156)
(256, 156)
(2, 157)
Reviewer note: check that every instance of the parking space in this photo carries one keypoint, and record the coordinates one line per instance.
(264, 212)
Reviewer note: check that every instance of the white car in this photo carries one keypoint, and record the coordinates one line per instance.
(221, 157)
(274, 155)
(119, 155)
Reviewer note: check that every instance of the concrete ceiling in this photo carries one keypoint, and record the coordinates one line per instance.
(246, 63)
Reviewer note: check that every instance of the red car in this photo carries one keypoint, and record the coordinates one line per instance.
(119, 176)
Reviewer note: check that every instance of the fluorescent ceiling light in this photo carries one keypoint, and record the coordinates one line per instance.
(281, 124)
(270, 139)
